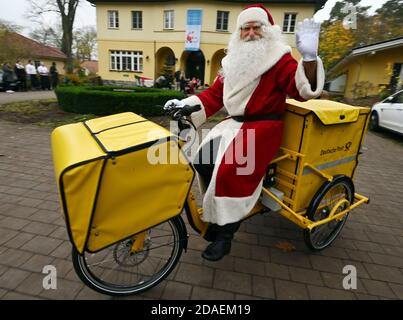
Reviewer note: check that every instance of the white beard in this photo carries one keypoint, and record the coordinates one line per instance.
(245, 58)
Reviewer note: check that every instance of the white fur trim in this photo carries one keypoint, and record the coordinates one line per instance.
(223, 210)
(199, 117)
(302, 82)
(231, 210)
(252, 14)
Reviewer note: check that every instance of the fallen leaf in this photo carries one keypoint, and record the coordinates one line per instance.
(285, 246)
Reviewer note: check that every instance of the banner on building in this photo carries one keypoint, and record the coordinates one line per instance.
(193, 30)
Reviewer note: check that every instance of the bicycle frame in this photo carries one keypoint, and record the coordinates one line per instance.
(194, 213)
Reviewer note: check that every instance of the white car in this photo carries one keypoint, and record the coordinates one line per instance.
(388, 113)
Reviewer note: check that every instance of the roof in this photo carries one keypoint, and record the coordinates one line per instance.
(91, 66)
(387, 44)
(318, 3)
(370, 48)
(35, 49)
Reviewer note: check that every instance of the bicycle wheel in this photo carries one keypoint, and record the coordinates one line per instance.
(320, 207)
(118, 272)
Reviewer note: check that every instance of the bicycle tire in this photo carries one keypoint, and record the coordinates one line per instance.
(315, 215)
(122, 267)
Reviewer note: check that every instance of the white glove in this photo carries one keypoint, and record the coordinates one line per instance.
(308, 39)
(174, 103)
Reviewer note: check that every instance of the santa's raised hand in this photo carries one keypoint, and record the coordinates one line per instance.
(308, 39)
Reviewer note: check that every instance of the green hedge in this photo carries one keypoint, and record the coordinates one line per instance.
(103, 100)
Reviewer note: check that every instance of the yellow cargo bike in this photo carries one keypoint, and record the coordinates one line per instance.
(122, 204)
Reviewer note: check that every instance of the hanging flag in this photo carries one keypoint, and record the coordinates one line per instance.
(193, 29)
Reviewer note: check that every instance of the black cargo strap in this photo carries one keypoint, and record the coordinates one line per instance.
(257, 117)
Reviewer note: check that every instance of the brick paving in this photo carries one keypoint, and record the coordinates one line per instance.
(33, 234)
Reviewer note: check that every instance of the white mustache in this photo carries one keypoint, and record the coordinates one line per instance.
(252, 38)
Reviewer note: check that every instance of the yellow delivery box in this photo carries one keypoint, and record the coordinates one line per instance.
(324, 137)
(108, 170)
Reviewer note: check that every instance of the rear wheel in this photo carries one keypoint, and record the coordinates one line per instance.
(374, 121)
(117, 271)
(327, 197)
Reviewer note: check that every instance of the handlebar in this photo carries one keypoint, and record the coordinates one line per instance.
(188, 110)
(179, 114)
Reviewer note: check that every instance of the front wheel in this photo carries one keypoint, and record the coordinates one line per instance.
(327, 197)
(374, 121)
(117, 271)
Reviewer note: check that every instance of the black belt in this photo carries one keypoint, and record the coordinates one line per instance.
(257, 117)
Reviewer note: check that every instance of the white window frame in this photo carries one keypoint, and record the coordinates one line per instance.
(290, 18)
(139, 19)
(113, 19)
(169, 19)
(133, 61)
(221, 27)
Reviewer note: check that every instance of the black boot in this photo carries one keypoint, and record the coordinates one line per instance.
(211, 232)
(222, 244)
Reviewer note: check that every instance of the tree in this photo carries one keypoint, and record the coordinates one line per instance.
(390, 20)
(10, 48)
(335, 42)
(49, 36)
(85, 40)
(66, 11)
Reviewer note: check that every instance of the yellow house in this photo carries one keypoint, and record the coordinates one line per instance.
(366, 70)
(140, 38)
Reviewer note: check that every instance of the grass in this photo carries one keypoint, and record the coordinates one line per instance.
(45, 113)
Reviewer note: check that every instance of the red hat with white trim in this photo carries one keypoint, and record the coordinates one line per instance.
(255, 12)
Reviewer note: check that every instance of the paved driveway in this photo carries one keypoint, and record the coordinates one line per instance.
(33, 234)
(24, 96)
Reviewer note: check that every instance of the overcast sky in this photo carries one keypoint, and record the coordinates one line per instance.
(16, 10)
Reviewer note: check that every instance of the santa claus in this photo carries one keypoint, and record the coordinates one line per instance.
(258, 74)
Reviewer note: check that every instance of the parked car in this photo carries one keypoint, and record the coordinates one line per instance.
(13, 84)
(388, 113)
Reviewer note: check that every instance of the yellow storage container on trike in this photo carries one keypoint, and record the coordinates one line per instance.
(122, 210)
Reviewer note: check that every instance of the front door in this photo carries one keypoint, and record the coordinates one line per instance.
(195, 65)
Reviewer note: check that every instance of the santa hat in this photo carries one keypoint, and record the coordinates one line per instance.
(255, 12)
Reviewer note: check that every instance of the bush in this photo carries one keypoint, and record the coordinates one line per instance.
(106, 100)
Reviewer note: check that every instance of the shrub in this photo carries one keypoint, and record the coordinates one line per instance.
(107, 100)
(71, 79)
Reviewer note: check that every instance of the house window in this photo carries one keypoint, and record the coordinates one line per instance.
(137, 19)
(289, 22)
(222, 20)
(168, 19)
(126, 61)
(113, 19)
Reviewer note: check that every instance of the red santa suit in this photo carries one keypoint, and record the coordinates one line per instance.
(235, 187)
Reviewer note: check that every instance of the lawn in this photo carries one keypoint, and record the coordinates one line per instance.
(46, 113)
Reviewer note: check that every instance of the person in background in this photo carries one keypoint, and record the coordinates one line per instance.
(182, 83)
(21, 74)
(32, 75)
(177, 80)
(7, 77)
(44, 76)
(54, 75)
